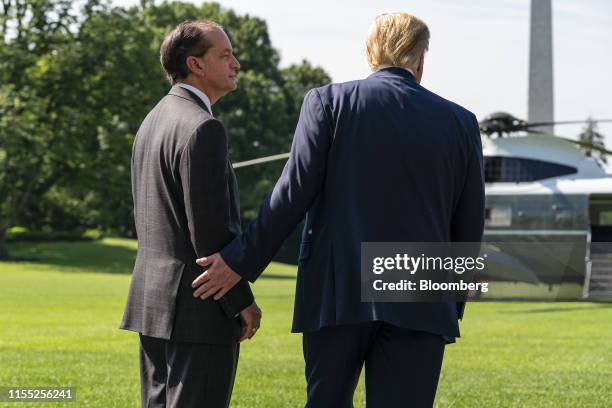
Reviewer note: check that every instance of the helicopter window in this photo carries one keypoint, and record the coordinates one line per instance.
(601, 212)
(500, 216)
(605, 218)
(516, 169)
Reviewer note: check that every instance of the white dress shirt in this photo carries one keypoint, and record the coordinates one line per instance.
(200, 94)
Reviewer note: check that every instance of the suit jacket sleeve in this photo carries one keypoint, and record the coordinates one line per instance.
(204, 176)
(281, 211)
(467, 224)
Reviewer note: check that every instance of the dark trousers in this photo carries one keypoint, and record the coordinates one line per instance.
(402, 366)
(180, 374)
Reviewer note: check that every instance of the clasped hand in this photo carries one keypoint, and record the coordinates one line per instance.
(216, 281)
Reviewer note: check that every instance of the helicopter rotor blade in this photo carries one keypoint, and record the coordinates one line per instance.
(260, 160)
(561, 122)
(587, 145)
(484, 129)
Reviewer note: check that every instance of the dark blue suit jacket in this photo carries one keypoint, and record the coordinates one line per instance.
(380, 159)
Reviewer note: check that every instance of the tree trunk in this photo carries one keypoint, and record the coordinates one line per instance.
(3, 247)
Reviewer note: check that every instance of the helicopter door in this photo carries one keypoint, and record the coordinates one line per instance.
(598, 279)
(601, 219)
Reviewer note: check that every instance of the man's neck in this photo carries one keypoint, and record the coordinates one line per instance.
(201, 95)
(383, 66)
(209, 94)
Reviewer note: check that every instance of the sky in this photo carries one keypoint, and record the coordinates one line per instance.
(478, 53)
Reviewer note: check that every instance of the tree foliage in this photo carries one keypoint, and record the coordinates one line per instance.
(75, 84)
(590, 134)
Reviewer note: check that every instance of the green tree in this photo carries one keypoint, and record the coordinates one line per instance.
(30, 149)
(76, 85)
(591, 135)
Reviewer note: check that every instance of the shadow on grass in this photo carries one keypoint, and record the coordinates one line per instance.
(575, 308)
(276, 277)
(88, 256)
(81, 256)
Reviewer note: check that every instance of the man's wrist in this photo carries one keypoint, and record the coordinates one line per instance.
(229, 259)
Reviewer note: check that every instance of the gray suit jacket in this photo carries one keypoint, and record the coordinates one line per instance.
(185, 207)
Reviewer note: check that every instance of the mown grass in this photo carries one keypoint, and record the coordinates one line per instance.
(60, 309)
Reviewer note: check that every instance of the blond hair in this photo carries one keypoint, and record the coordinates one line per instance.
(396, 39)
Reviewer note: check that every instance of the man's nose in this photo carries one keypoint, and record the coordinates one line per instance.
(236, 64)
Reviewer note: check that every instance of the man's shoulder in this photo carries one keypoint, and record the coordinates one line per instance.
(172, 123)
(177, 115)
(360, 88)
(183, 110)
(454, 107)
(332, 96)
(336, 88)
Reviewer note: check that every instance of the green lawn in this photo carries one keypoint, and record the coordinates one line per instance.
(59, 317)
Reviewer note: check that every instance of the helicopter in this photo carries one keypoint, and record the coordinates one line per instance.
(550, 190)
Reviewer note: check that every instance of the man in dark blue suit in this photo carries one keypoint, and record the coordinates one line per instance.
(376, 160)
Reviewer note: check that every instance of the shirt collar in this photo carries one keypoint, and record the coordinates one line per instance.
(394, 71)
(383, 66)
(199, 93)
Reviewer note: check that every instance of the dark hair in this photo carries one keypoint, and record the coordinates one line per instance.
(186, 39)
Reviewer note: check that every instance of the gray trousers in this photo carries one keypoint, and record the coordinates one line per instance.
(181, 374)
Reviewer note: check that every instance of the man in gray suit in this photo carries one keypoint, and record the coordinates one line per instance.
(186, 206)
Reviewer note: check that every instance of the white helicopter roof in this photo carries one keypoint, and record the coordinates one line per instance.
(561, 185)
(590, 178)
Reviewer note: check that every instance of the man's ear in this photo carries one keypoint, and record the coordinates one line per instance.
(421, 62)
(194, 65)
